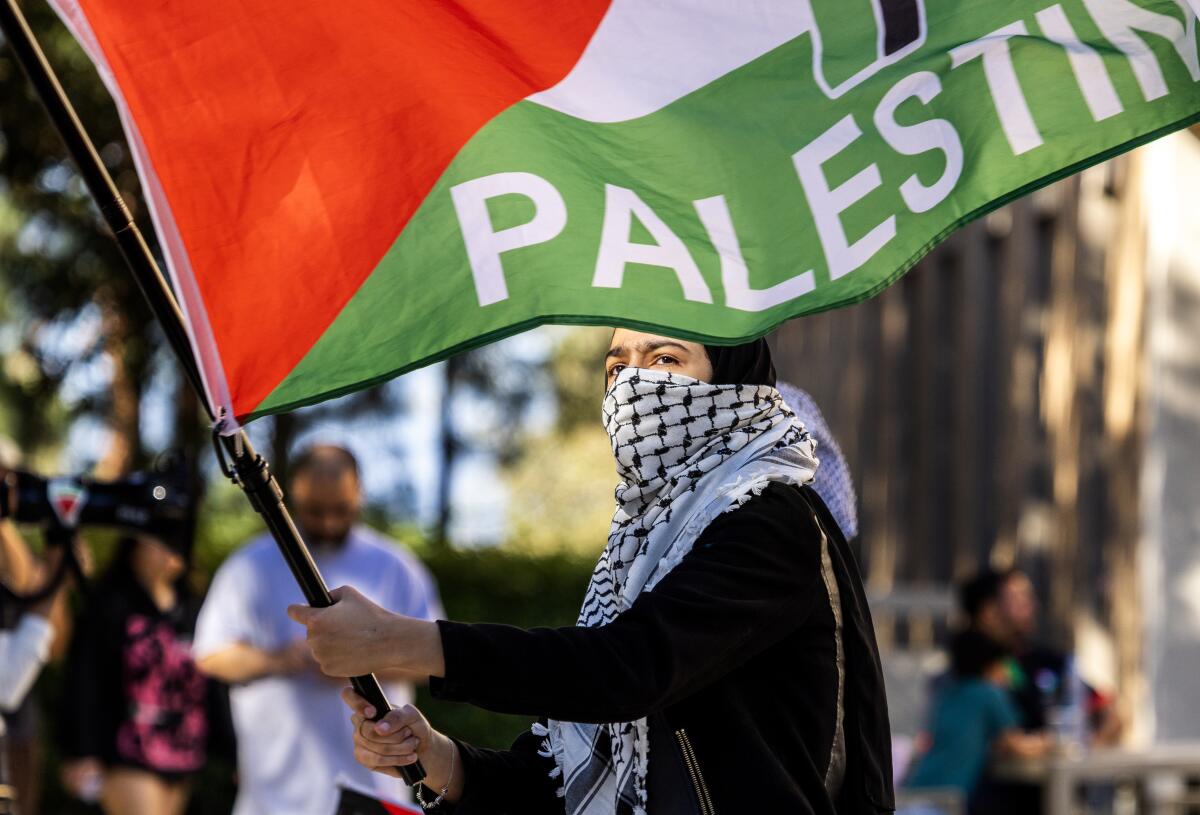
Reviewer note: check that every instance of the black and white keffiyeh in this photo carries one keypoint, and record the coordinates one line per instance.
(686, 452)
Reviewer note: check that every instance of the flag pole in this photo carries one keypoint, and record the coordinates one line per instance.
(238, 459)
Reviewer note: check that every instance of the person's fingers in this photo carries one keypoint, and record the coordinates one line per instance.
(343, 592)
(373, 760)
(367, 735)
(366, 729)
(396, 731)
(405, 715)
(303, 614)
(376, 763)
(396, 750)
(397, 719)
(357, 703)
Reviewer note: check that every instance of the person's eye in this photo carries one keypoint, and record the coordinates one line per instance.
(666, 359)
(616, 369)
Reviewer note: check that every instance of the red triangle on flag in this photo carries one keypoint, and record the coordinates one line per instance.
(396, 809)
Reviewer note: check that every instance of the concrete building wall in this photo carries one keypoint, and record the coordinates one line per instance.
(1170, 561)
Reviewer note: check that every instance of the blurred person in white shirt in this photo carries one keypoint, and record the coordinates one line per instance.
(293, 743)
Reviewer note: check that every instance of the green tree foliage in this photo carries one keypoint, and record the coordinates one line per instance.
(561, 486)
(577, 372)
(487, 398)
(60, 273)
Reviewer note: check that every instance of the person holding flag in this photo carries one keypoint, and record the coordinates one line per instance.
(724, 658)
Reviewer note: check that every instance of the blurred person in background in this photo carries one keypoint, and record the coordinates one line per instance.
(24, 651)
(22, 573)
(972, 720)
(293, 741)
(833, 483)
(1043, 683)
(1003, 605)
(136, 717)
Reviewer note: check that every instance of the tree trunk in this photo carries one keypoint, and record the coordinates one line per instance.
(190, 434)
(283, 435)
(448, 450)
(123, 415)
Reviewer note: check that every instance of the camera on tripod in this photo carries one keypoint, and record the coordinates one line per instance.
(155, 502)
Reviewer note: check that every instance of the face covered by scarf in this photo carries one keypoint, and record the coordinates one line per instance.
(686, 452)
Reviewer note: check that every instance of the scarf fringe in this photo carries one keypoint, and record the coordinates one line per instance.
(548, 750)
(641, 766)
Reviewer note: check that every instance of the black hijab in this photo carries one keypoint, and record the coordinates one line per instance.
(745, 364)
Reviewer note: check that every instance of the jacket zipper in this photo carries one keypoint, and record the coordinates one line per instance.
(693, 768)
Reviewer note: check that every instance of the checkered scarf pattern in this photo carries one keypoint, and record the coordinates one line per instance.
(686, 451)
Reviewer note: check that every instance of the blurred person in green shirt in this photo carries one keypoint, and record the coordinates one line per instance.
(972, 719)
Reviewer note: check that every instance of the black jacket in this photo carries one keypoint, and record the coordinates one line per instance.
(733, 657)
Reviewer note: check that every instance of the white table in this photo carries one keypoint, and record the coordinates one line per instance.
(1061, 774)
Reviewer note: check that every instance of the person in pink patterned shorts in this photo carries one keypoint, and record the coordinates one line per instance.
(136, 719)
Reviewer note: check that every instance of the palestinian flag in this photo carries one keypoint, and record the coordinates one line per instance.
(352, 802)
(349, 190)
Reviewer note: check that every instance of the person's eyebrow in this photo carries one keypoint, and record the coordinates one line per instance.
(645, 348)
(655, 345)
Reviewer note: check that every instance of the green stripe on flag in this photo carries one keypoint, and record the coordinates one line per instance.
(824, 196)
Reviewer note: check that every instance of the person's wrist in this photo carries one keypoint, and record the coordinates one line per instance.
(414, 646)
(444, 770)
(435, 655)
(437, 761)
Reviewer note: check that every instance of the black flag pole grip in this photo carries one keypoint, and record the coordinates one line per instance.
(250, 471)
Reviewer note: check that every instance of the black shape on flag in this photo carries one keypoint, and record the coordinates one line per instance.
(901, 24)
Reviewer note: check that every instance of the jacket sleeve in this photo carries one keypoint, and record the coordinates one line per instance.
(505, 782)
(749, 581)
